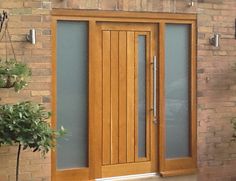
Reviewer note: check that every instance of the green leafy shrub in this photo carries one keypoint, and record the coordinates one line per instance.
(13, 74)
(26, 124)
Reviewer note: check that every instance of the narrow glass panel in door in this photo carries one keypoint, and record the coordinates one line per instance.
(142, 96)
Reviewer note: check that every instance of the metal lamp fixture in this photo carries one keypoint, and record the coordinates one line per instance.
(191, 4)
(31, 37)
(215, 40)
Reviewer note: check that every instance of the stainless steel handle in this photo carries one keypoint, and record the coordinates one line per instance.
(154, 89)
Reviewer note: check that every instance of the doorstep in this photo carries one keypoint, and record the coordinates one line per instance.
(150, 177)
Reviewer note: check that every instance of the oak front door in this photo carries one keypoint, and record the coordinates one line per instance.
(129, 130)
(124, 87)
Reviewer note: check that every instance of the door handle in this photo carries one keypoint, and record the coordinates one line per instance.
(154, 89)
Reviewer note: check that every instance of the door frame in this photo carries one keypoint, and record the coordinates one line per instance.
(166, 167)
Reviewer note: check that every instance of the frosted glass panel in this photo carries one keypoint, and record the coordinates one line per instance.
(177, 48)
(141, 96)
(72, 93)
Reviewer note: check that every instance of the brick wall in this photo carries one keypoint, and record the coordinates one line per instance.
(23, 16)
(216, 91)
(216, 76)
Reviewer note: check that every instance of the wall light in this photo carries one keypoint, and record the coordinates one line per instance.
(31, 37)
(215, 40)
(191, 4)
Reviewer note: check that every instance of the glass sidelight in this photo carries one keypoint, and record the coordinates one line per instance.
(72, 93)
(177, 53)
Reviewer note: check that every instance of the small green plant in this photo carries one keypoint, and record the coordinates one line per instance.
(13, 74)
(25, 124)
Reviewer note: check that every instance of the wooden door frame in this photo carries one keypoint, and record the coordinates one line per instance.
(166, 167)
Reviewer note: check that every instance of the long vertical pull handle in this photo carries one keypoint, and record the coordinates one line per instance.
(155, 89)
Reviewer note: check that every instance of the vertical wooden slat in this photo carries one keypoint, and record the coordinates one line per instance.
(114, 96)
(130, 97)
(122, 97)
(106, 128)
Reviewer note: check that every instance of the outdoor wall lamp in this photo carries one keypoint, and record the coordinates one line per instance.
(31, 37)
(191, 4)
(215, 40)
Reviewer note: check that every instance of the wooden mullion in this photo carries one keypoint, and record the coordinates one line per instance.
(161, 95)
(106, 124)
(95, 101)
(54, 94)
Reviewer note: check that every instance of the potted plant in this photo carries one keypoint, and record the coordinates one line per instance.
(13, 74)
(25, 124)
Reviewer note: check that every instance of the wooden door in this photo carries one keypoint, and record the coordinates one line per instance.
(103, 59)
(129, 134)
